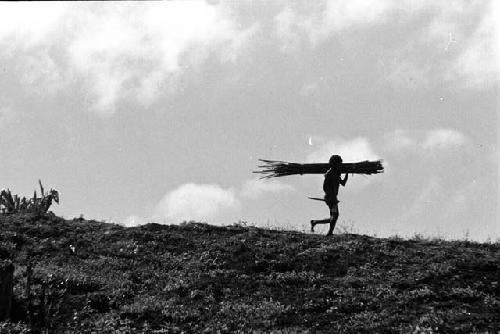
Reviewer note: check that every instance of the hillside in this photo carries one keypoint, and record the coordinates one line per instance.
(91, 276)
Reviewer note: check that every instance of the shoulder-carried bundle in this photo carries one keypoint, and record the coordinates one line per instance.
(274, 168)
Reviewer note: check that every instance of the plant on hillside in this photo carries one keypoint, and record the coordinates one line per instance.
(15, 204)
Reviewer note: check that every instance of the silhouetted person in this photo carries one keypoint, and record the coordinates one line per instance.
(331, 188)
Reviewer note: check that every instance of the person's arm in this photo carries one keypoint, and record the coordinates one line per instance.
(344, 181)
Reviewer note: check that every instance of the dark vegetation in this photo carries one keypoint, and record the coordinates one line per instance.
(10, 204)
(87, 276)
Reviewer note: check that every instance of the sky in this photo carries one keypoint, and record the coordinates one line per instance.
(142, 112)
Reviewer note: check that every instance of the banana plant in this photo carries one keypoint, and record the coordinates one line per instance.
(13, 204)
(46, 201)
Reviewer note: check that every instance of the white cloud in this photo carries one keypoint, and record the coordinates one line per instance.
(290, 25)
(25, 28)
(27, 24)
(479, 63)
(340, 15)
(239, 43)
(198, 202)
(355, 150)
(424, 141)
(358, 149)
(471, 55)
(320, 21)
(443, 139)
(143, 48)
(398, 139)
(256, 188)
(121, 50)
(468, 59)
(284, 22)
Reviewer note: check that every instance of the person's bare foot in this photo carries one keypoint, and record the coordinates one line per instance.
(312, 225)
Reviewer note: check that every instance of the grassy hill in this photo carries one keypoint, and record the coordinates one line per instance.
(89, 276)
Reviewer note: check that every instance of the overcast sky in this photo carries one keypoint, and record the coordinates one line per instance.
(158, 111)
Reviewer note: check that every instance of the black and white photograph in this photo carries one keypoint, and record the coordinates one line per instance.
(250, 166)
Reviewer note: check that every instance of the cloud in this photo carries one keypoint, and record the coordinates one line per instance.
(25, 29)
(240, 43)
(358, 149)
(340, 15)
(355, 150)
(324, 19)
(468, 53)
(424, 141)
(465, 54)
(285, 27)
(468, 59)
(443, 139)
(399, 139)
(198, 202)
(144, 49)
(479, 63)
(24, 25)
(120, 50)
(256, 188)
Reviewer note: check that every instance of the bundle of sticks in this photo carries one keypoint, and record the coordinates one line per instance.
(274, 168)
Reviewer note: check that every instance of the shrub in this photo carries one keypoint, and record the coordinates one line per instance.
(10, 204)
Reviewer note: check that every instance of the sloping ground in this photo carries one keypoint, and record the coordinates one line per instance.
(91, 276)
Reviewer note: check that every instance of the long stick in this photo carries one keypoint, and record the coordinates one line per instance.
(317, 199)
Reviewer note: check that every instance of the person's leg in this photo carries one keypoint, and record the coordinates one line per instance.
(333, 220)
(334, 216)
(320, 221)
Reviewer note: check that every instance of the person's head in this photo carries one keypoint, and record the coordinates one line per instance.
(335, 161)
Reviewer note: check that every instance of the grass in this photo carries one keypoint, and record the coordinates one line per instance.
(89, 276)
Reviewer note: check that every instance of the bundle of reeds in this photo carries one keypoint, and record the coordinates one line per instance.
(274, 168)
